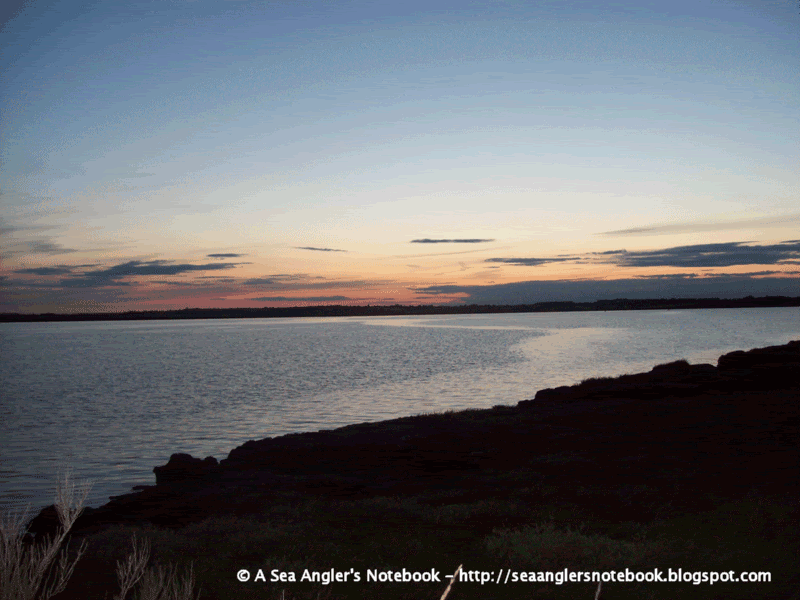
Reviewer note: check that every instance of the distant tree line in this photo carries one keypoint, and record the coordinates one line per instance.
(409, 310)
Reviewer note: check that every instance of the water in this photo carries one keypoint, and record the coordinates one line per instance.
(111, 400)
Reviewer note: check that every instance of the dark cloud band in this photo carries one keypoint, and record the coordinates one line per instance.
(728, 254)
(709, 255)
(531, 262)
(114, 276)
(678, 286)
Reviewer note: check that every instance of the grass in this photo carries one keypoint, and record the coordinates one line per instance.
(436, 528)
(294, 534)
(32, 569)
(40, 570)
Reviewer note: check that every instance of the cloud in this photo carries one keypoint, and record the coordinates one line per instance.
(42, 247)
(299, 299)
(681, 286)
(155, 267)
(135, 268)
(457, 241)
(286, 284)
(697, 256)
(531, 262)
(7, 228)
(17, 248)
(673, 276)
(319, 249)
(438, 254)
(45, 271)
(677, 276)
(259, 281)
(224, 255)
(696, 227)
(709, 255)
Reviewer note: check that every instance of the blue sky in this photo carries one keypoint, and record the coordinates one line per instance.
(237, 153)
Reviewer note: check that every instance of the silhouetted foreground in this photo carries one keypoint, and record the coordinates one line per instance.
(398, 309)
(690, 466)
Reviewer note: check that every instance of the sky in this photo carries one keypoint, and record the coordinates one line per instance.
(238, 153)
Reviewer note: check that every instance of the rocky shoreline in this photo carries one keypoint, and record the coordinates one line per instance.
(723, 430)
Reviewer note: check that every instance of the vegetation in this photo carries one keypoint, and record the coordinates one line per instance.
(29, 570)
(534, 528)
(33, 569)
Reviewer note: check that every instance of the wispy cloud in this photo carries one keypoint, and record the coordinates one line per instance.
(673, 276)
(709, 255)
(532, 262)
(709, 226)
(678, 286)
(154, 267)
(260, 281)
(454, 241)
(301, 299)
(224, 255)
(315, 284)
(45, 247)
(437, 254)
(319, 249)
(45, 271)
(7, 228)
(696, 256)
(116, 274)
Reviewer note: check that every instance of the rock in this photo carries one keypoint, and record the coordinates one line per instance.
(776, 366)
(182, 467)
(560, 393)
(677, 378)
(681, 372)
(677, 367)
(788, 355)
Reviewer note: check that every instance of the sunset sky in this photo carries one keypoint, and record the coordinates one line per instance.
(237, 153)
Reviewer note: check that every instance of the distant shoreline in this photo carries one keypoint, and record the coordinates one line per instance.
(409, 310)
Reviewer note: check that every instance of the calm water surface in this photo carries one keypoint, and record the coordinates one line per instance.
(111, 400)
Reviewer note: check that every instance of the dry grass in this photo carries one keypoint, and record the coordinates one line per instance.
(40, 569)
(29, 571)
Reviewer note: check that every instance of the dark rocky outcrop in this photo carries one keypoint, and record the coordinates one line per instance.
(182, 467)
(774, 367)
(673, 379)
(690, 426)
